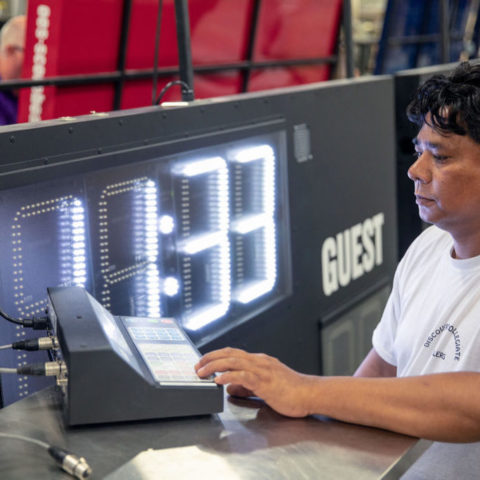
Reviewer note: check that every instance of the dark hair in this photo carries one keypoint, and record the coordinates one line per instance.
(453, 102)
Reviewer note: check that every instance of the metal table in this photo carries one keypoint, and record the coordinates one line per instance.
(247, 441)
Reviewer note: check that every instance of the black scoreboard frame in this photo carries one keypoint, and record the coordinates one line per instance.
(339, 162)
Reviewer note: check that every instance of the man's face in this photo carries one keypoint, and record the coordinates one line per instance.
(12, 61)
(447, 180)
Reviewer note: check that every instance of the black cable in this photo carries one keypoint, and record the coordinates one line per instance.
(70, 463)
(33, 344)
(11, 319)
(188, 92)
(49, 369)
(37, 323)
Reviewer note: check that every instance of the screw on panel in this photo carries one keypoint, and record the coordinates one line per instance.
(12, 139)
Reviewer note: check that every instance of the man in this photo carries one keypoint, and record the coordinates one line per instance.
(421, 376)
(12, 42)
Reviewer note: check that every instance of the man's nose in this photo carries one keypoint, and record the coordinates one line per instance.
(419, 170)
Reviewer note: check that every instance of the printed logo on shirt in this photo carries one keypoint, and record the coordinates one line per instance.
(445, 329)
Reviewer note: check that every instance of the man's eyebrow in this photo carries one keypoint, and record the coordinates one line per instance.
(429, 145)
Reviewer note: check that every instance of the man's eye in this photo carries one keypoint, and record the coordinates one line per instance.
(417, 154)
(440, 158)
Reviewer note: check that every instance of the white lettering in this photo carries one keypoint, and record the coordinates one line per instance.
(329, 270)
(43, 22)
(344, 258)
(352, 253)
(357, 248)
(40, 48)
(378, 221)
(38, 71)
(39, 59)
(37, 95)
(43, 11)
(368, 257)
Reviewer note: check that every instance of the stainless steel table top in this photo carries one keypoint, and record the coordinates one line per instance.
(247, 441)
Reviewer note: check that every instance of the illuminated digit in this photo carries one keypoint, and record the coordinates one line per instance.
(253, 223)
(144, 229)
(204, 239)
(146, 246)
(73, 265)
(71, 248)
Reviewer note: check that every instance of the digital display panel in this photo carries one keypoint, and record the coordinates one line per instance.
(200, 234)
(167, 352)
(109, 326)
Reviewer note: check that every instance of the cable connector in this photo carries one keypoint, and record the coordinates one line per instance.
(37, 323)
(187, 92)
(75, 466)
(70, 463)
(42, 343)
(48, 369)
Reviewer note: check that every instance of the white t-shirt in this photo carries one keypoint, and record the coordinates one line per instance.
(431, 324)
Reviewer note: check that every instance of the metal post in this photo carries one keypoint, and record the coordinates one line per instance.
(122, 53)
(251, 43)
(347, 32)
(184, 48)
(444, 32)
(157, 51)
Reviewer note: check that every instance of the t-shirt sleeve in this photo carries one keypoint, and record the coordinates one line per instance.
(386, 331)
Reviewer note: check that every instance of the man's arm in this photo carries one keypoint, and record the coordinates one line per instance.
(444, 407)
(375, 366)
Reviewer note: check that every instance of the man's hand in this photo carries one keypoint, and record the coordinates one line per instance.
(260, 375)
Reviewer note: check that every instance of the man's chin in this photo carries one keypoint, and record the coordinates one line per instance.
(426, 215)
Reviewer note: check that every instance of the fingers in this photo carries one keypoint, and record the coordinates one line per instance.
(239, 391)
(254, 374)
(244, 383)
(221, 361)
(226, 364)
(218, 354)
(245, 372)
